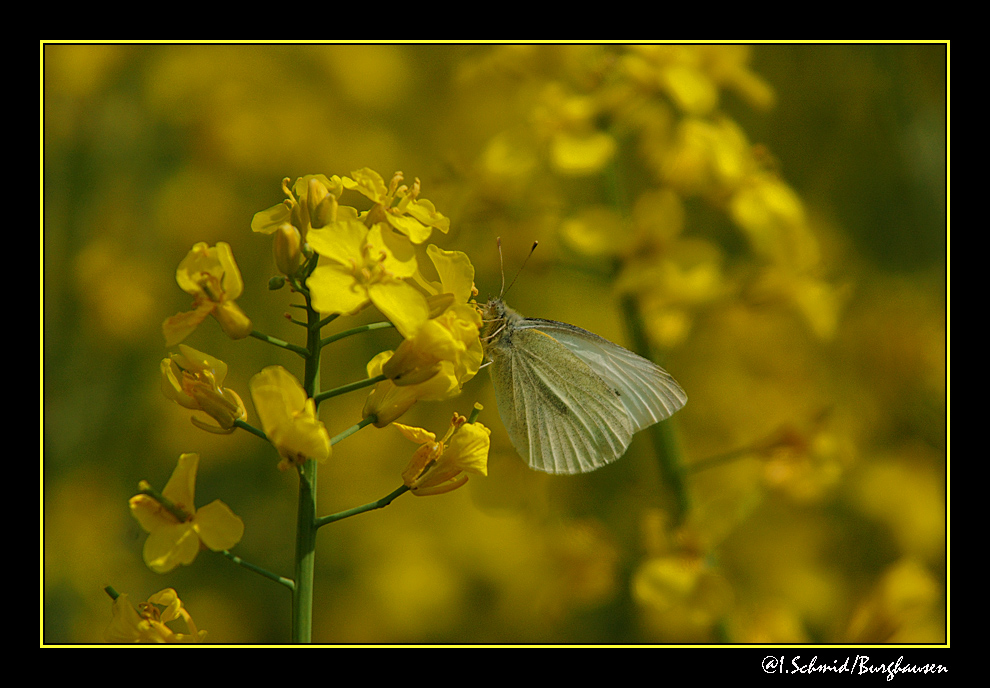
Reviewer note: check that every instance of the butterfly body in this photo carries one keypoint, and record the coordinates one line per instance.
(571, 400)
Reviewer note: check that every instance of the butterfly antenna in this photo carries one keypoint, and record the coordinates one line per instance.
(501, 265)
(532, 248)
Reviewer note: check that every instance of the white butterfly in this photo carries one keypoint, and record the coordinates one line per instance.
(569, 399)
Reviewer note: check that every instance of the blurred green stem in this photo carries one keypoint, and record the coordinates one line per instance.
(665, 438)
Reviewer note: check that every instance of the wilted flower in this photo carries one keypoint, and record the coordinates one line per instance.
(439, 467)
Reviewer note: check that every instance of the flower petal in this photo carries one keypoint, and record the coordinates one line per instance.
(334, 289)
(402, 304)
(149, 513)
(219, 528)
(267, 221)
(181, 325)
(181, 487)
(169, 546)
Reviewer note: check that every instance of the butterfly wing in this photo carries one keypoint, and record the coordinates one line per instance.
(560, 415)
(646, 390)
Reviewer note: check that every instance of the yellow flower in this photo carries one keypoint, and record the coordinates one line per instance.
(387, 401)
(310, 203)
(691, 76)
(287, 249)
(567, 122)
(439, 467)
(707, 158)
(173, 541)
(670, 287)
(146, 624)
(456, 275)
(288, 417)
(447, 345)
(903, 600)
(596, 231)
(195, 380)
(211, 276)
(412, 216)
(581, 153)
(359, 266)
(774, 220)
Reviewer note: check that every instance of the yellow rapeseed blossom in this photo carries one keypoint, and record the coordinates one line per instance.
(195, 380)
(211, 276)
(679, 596)
(288, 417)
(412, 216)
(567, 123)
(360, 266)
(310, 203)
(901, 605)
(287, 249)
(388, 401)
(146, 623)
(595, 231)
(173, 541)
(691, 75)
(670, 287)
(773, 218)
(439, 467)
(447, 344)
(707, 158)
(456, 275)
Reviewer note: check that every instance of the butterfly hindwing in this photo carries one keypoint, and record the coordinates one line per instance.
(561, 416)
(647, 391)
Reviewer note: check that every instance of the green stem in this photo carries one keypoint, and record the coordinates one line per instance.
(280, 343)
(305, 566)
(349, 388)
(356, 330)
(244, 425)
(718, 460)
(371, 506)
(367, 420)
(665, 438)
(287, 582)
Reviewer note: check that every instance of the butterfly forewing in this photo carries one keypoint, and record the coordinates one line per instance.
(560, 415)
(569, 399)
(646, 390)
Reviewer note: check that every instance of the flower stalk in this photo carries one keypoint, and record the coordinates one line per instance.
(305, 565)
(340, 261)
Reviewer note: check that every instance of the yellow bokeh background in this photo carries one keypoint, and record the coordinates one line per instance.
(775, 213)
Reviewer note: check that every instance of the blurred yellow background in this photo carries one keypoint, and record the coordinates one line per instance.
(775, 214)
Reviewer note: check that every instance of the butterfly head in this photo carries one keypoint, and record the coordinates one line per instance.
(494, 315)
(498, 318)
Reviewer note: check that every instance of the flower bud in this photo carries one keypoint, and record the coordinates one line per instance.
(320, 203)
(287, 248)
